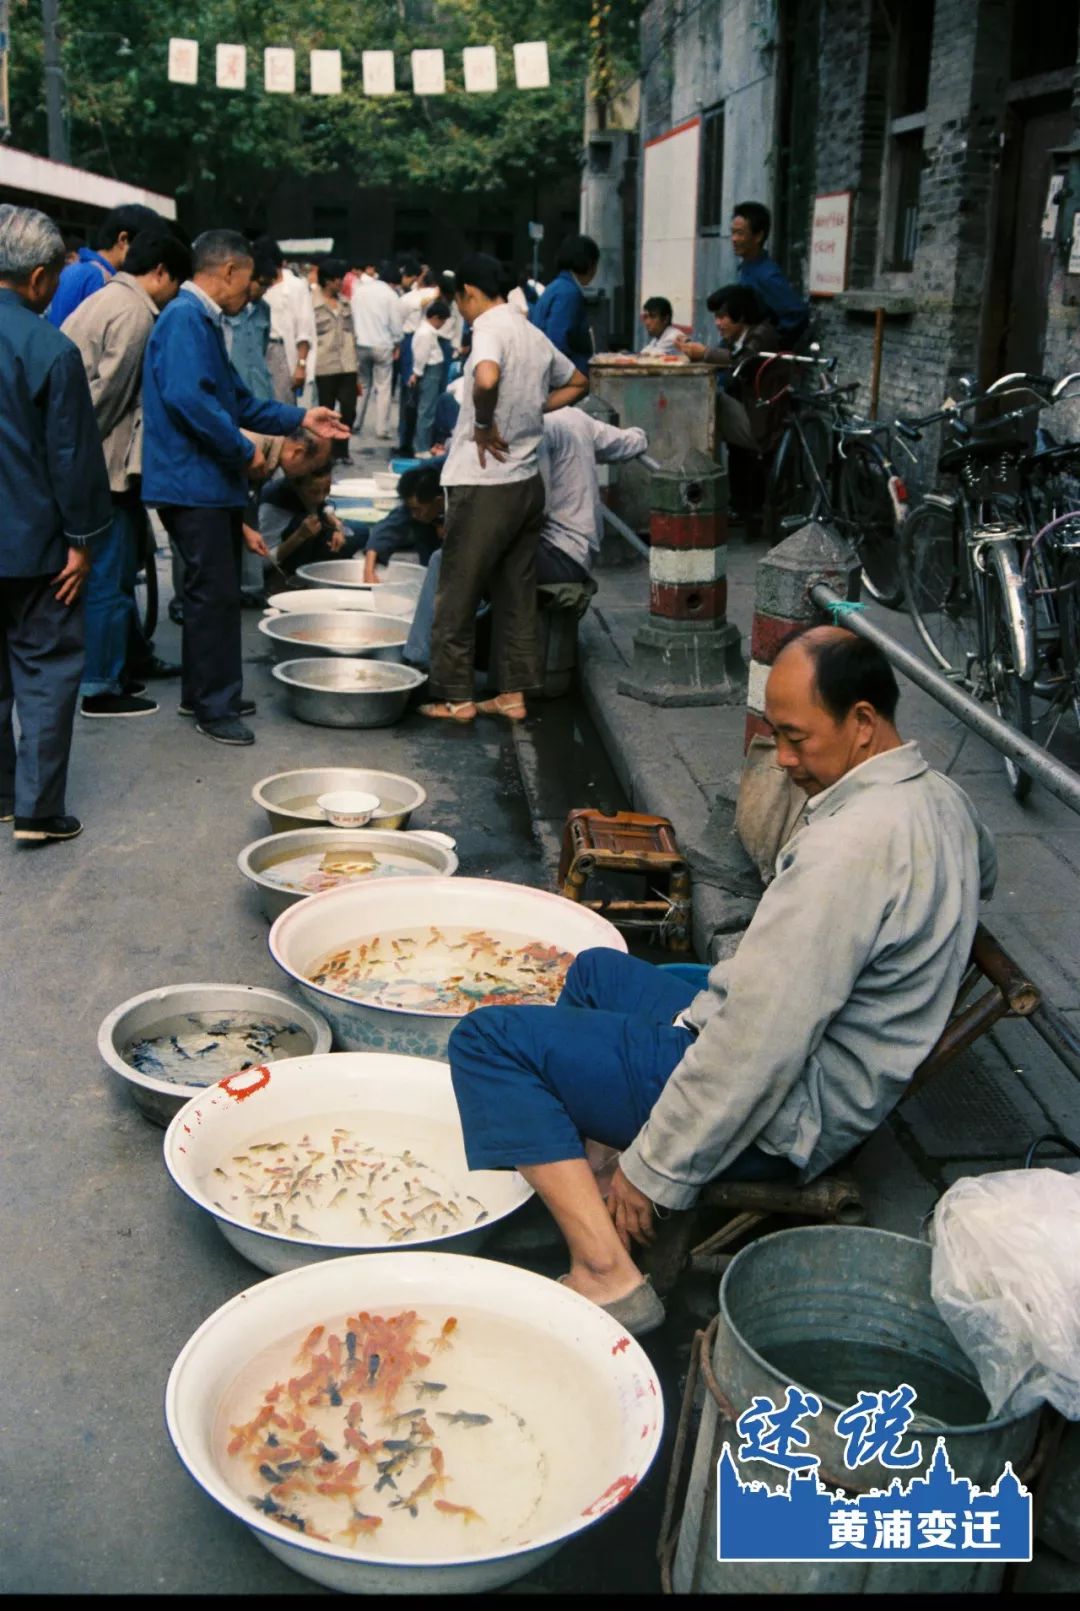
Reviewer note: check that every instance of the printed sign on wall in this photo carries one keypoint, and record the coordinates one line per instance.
(326, 72)
(481, 68)
(280, 70)
(231, 66)
(428, 72)
(829, 237)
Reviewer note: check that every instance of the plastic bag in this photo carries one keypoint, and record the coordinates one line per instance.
(1005, 1275)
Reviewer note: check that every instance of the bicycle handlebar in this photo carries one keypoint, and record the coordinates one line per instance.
(813, 361)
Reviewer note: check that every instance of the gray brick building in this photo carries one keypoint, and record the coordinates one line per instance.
(948, 121)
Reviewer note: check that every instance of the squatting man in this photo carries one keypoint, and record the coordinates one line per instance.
(801, 1043)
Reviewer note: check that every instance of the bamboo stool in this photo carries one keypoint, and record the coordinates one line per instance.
(629, 842)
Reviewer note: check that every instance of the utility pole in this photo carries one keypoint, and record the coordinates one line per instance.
(54, 82)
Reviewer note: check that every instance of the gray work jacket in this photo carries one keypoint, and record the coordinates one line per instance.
(111, 329)
(841, 985)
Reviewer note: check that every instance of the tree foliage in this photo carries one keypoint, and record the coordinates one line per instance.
(230, 147)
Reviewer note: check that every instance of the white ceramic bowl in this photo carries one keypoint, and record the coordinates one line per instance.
(383, 600)
(348, 808)
(389, 1096)
(172, 1009)
(312, 928)
(589, 1395)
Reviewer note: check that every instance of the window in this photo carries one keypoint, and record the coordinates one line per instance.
(1044, 37)
(711, 210)
(913, 29)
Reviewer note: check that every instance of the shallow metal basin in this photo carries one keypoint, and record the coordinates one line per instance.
(154, 1012)
(352, 634)
(350, 573)
(288, 798)
(430, 855)
(340, 692)
(382, 600)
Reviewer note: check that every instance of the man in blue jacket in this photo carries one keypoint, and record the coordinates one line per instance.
(54, 493)
(562, 313)
(762, 274)
(196, 464)
(94, 268)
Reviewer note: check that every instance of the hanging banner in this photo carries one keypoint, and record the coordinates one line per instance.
(379, 72)
(279, 70)
(183, 61)
(231, 66)
(481, 69)
(326, 72)
(531, 65)
(428, 72)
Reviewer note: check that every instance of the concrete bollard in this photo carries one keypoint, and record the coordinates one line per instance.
(783, 607)
(688, 653)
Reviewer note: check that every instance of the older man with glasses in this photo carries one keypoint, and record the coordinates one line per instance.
(54, 493)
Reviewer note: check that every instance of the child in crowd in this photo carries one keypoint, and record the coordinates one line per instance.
(426, 380)
(296, 515)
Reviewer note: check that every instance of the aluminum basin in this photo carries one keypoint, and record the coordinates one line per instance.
(304, 934)
(341, 692)
(428, 855)
(588, 1395)
(288, 798)
(382, 600)
(157, 1012)
(349, 573)
(391, 1098)
(356, 634)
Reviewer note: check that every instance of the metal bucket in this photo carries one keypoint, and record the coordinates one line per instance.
(1057, 1518)
(835, 1309)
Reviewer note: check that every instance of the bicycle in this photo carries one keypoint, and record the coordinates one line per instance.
(965, 556)
(834, 465)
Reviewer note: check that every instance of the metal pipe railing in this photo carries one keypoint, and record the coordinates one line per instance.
(1058, 779)
(624, 531)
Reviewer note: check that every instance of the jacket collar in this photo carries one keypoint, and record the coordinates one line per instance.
(207, 303)
(133, 285)
(88, 255)
(894, 766)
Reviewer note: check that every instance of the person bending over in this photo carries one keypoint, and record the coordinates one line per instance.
(296, 515)
(800, 1044)
(414, 526)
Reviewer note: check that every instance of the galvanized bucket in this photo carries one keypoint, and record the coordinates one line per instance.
(833, 1309)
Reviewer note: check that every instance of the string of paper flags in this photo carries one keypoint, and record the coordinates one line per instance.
(428, 68)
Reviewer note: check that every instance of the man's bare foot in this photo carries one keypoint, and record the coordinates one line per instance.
(606, 1288)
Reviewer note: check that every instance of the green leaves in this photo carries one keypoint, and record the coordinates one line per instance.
(162, 135)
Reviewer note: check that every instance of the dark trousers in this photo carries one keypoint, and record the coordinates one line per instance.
(489, 547)
(209, 544)
(41, 665)
(339, 390)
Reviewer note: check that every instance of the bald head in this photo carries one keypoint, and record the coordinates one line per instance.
(830, 699)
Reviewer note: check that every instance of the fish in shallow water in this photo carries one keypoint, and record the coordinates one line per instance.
(464, 1418)
(429, 1389)
(466, 1512)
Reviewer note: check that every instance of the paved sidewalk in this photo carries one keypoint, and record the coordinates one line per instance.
(676, 762)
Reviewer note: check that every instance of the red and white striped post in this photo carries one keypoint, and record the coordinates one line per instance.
(783, 607)
(688, 653)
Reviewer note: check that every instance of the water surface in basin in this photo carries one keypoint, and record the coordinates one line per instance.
(312, 871)
(199, 1048)
(451, 970)
(344, 637)
(416, 1435)
(346, 1177)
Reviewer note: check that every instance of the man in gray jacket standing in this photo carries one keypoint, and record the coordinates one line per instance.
(54, 502)
(800, 1045)
(111, 329)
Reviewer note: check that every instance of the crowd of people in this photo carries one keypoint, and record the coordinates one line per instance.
(209, 388)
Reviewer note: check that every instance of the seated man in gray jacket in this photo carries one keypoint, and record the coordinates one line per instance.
(801, 1044)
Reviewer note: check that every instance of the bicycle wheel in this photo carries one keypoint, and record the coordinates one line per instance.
(867, 507)
(935, 569)
(1010, 696)
(792, 489)
(146, 586)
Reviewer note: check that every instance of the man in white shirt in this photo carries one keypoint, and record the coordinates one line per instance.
(495, 499)
(656, 316)
(377, 321)
(417, 296)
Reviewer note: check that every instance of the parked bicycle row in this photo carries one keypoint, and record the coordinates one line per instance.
(987, 564)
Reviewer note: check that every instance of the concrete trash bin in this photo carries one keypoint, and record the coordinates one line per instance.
(560, 606)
